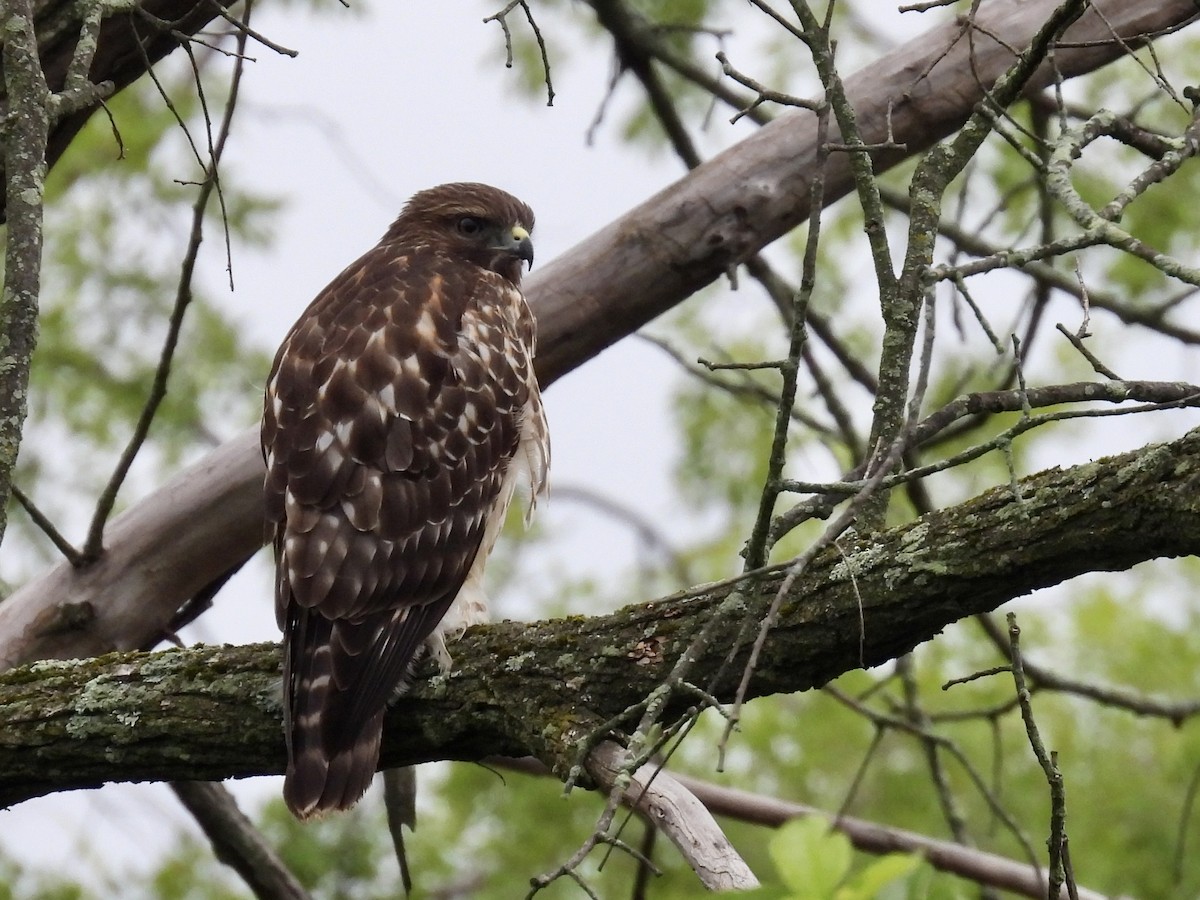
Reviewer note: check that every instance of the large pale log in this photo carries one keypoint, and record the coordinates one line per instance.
(650, 259)
(697, 229)
(172, 544)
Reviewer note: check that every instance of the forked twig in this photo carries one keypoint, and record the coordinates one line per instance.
(94, 544)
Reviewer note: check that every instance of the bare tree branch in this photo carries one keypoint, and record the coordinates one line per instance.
(979, 866)
(870, 837)
(667, 804)
(1060, 874)
(237, 843)
(210, 184)
(129, 38)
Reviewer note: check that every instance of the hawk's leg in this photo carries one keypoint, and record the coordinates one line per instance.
(470, 607)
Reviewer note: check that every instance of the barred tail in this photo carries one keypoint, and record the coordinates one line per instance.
(318, 782)
(338, 677)
(332, 755)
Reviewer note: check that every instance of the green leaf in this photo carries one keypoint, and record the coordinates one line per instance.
(811, 859)
(889, 872)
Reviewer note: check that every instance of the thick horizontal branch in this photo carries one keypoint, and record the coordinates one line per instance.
(537, 688)
(208, 520)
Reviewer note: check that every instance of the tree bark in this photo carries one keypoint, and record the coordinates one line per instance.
(723, 212)
(130, 41)
(665, 803)
(208, 520)
(540, 688)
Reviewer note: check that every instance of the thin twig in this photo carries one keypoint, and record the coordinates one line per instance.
(745, 387)
(914, 712)
(236, 842)
(757, 547)
(1159, 396)
(990, 256)
(501, 17)
(1176, 712)
(1049, 763)
(65, 547)
(763, 93)
(1185, 813)
(243, 26)
(1076, 340)
(94, 545)
(882, 720)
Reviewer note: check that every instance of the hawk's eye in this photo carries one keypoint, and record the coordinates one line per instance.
(469, 226)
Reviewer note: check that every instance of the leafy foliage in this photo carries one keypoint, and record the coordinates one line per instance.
(814, 863)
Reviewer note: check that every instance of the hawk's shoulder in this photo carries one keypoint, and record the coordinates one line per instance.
(393, 408)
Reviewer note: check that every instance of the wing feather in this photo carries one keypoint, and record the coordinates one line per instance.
(396, 404)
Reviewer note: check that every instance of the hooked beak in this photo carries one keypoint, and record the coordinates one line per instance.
(518, 243)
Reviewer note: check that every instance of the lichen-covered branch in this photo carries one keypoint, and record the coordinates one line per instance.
(1100, 227)
(536, 688)
(1059, 870)
(1030, 260)
(901, 308)
(27, 125)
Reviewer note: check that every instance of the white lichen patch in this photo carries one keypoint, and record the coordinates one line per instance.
(49, 666)
(517, 663)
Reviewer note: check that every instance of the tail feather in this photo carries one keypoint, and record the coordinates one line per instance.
(338, 677)
(318, 782)
(331, 757)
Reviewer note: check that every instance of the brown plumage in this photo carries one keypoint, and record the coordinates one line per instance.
(400, 413)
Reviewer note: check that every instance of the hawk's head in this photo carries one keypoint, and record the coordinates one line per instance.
(476, 222)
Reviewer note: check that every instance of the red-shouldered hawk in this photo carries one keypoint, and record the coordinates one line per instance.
(400, 414)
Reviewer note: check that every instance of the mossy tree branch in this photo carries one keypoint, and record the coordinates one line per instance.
(902, 305)
(26, 124)
(538, 688)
